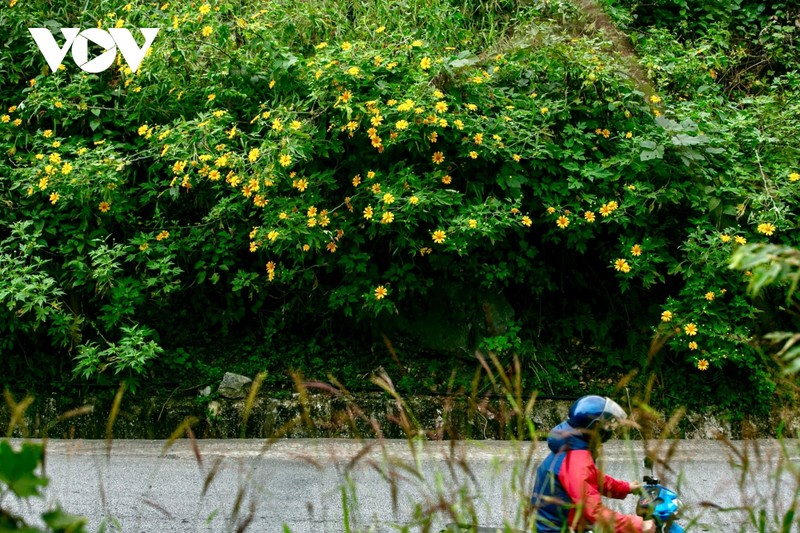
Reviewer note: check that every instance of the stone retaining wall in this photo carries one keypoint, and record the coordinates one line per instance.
(365, 416)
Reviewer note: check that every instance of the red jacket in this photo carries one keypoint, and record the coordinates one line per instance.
(585, 484)
(568, 487)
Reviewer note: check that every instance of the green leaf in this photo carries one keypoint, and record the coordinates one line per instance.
(17, 469)
(63, 522)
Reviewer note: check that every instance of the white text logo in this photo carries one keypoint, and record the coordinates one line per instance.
(111, 40)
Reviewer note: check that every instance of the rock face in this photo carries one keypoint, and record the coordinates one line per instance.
(234, 386)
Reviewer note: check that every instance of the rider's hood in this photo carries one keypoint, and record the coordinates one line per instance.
(564, 437)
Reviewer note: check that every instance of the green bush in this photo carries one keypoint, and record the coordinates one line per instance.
(310, 167)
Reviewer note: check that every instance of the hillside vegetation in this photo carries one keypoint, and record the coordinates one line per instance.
(333, 187)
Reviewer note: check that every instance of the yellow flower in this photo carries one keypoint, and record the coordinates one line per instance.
(740, 240)
(211, 97)
(725, 238)
(478, 138)
(163, 235)
(380, 29)
(440, 107)
(66, 168)
(526, 221)
(413, 200)
(666, 316)
(376, 188)
(353, 71)
(207, 30)
(54, 196)
(368, 212)
(606, 211)
(144, 246)
(636, 250)
(447, 179)
(417, 43)
(562, 222)
(621, 265)
(301, 184)
(589, 216)
(425, 63)
(439, 236)
(6, 119)
(690, 329)
(710, 295)
(702, 364)
(104, 207)
(692, 345)
(629, 135)
(473, 154)
(285, 160)
(272, 235)
(766, 228)
(357, 180)
(205, 9)
(794, 176)
(380, 292)
(387, 218)
(401, 124)
(47, 133)
(346, 46)
(655, 99)
(544, 110)
(253, 155)
(472, 223)
(388, 198)
(438, 158)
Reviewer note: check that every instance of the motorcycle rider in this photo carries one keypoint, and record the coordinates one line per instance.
(568, 485)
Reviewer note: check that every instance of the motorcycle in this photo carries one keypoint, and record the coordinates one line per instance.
(656, 502)
(661, 504)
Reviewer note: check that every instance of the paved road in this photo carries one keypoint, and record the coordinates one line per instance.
(141, 487)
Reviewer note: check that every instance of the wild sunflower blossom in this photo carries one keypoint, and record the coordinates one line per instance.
(702, 365)
(439, 236)
(690, 329)
(766, 228)
(562, 222)
(666, 316)
(380, 292)
(621, 265)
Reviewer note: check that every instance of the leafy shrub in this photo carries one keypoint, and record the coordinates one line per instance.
(336, 164)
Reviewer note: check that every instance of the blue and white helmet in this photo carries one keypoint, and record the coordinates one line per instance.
(596, 413)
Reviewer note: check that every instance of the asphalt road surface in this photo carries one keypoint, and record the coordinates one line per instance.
(314, 486)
